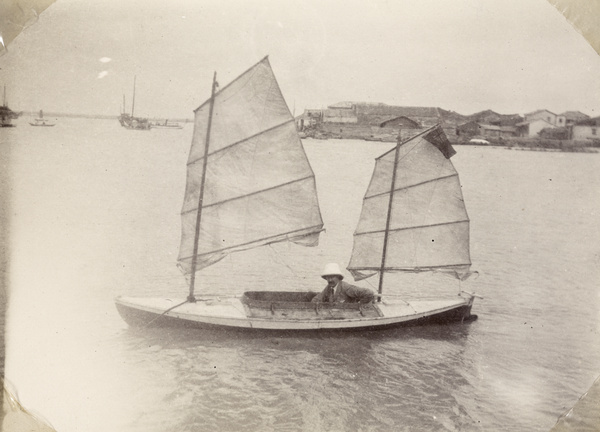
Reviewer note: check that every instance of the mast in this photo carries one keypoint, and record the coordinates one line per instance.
(133, 101)
(123, 109)
(4, 97)
(389, 215)
(191, 297)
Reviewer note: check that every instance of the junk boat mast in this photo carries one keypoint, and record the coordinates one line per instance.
(191, 297)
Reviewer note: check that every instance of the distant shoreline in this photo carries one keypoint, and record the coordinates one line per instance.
(527, 144)
(513, 143)
(99, 116)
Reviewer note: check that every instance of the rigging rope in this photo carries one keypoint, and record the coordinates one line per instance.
(277, 258)
(168, 310)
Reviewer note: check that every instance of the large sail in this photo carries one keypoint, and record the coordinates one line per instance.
(259, 186)
(428, 225)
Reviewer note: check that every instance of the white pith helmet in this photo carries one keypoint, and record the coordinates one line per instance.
(332, 269)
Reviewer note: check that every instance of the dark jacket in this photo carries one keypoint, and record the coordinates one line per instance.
(345, 293)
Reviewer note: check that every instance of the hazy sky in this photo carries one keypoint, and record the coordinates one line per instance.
(512, 56)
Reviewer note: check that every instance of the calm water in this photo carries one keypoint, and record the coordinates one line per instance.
(95, 214)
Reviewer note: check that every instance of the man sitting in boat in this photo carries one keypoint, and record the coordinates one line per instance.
(338, 291)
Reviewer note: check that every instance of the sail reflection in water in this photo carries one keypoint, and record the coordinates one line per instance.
(259, 186)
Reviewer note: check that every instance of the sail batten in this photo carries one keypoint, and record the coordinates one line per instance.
(408, 228)
(410, 186)
(240, 142)
(413, 212)
(249, 194)
(303, 232)
(259, 187)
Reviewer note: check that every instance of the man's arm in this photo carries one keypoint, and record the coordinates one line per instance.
(318, 297)
(362, 295)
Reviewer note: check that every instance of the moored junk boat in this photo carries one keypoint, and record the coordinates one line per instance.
(6, 114)
(6, 117)
(249, 184)
(135, 123)
(128, 121)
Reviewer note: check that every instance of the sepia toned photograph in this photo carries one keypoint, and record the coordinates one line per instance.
(300, 216)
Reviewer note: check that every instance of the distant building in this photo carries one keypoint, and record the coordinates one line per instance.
(474, 129)
(400, 122)
(539, 123)
(379, 121)
(339, 115)
(542, 114)
(309, 118)
(586, 129)
(572, 117)
(378, 114)
(532, 128)
(374, 120)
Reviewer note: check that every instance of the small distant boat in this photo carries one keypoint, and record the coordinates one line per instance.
(6, 114)
(250, 184)
(41, 121)
(167, 125)
(479, 141)
(128, 121)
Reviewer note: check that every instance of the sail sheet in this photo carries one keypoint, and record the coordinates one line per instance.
(259, 185)
(429, 225)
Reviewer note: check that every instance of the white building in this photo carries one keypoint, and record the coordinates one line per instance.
(531, 128)
(586, 129)
(545, 115)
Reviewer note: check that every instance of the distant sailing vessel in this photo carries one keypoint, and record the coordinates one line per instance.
(6, 114)
(41, 121)
(128, 121)
(249, 184)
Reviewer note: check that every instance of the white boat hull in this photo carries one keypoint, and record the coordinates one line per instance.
(233, 313)
(159, 126)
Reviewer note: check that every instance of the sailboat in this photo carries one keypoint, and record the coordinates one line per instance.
(250, 184)
(41, 121)
(128, 121)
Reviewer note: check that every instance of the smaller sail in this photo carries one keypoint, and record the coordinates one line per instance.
(429, 225)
